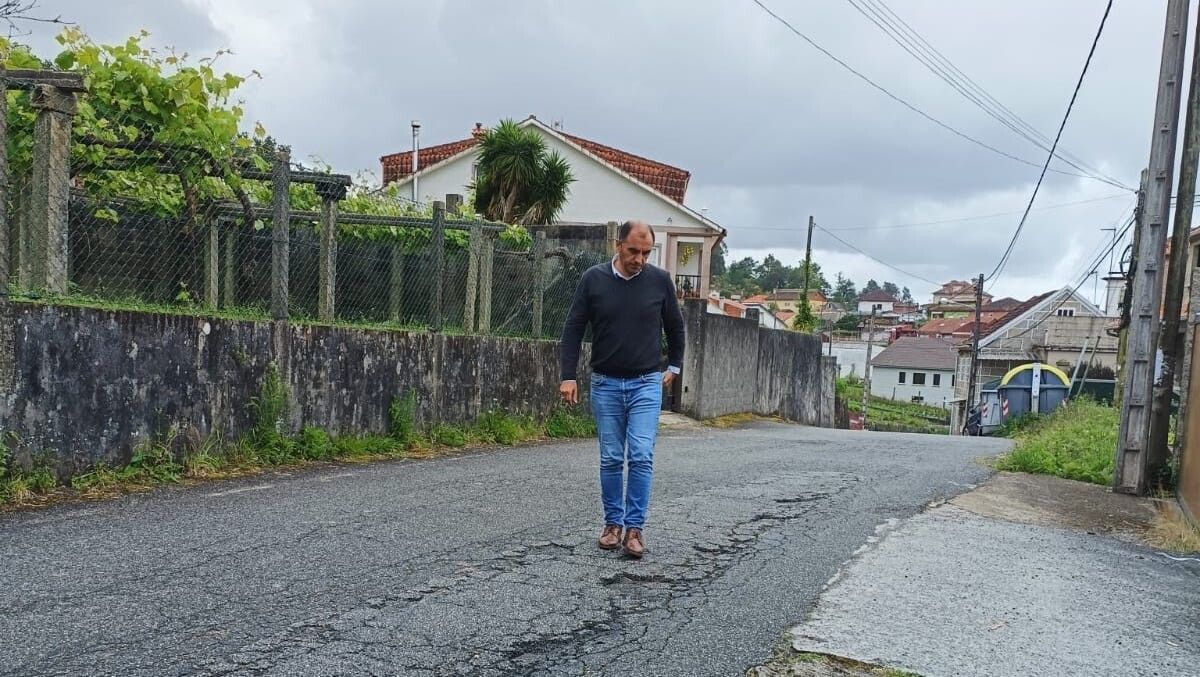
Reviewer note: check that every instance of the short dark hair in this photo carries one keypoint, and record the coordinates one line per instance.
(626, 228)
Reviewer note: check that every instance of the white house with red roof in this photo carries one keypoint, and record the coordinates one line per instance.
(611, 185)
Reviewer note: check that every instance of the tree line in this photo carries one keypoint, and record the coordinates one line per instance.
(749, 276)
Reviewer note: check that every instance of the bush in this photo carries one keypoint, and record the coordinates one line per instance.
(449, 436)
(402, 418)
(1076, 442)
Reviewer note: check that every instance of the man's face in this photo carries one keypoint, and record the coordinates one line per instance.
(634, 250)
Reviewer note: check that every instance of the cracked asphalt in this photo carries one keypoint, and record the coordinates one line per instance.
(478, 564)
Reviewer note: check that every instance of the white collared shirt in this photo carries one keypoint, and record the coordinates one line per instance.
(621, 275)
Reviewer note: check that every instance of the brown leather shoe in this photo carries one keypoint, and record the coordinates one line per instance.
(635, 545)
(610, 538)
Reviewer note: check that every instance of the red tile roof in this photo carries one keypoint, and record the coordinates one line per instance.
(946, 325)
(670, 181)
(399, 165)
(878, 296)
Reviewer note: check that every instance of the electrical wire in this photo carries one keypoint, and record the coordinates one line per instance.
(1096, 261)
(904, 102)
(878, 260)
(1066, 116)
(912, 42)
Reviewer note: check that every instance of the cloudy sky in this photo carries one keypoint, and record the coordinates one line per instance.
(771, 129)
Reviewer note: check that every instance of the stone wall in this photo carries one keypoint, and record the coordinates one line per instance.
(734, 366)
(86, 386)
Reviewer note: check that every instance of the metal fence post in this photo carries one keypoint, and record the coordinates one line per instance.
(280, 181)
(439, 262)
(51, 187)
(473, 257)
(539, 282)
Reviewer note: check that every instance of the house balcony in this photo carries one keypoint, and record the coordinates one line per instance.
(687, 286)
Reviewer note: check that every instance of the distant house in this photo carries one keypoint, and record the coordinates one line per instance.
(767, 318)
(878, 300)
(1051, 328)
(611, 186)
(789, 299)
(915, 369)
(990, 312)
(954, 299)
(949, 329)
(908, 312)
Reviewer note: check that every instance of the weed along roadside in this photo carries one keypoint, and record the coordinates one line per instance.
(173, 458)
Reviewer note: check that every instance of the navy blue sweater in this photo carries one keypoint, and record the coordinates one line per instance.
(628, 318)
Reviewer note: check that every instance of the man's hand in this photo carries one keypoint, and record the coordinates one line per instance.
(668, 378)
(569, 390)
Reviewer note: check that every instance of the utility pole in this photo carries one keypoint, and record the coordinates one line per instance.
(808, 256)
(866, 398)
(1158, 454)
(808, 269)
(1133, 441)
(1125, 304)
(975, 343)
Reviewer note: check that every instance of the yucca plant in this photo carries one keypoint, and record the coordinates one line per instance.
(519, 180)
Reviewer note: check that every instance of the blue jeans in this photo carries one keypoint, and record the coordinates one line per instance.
(626, 411)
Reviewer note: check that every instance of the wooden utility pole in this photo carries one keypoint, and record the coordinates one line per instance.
(971, 400)
(808, 258)
(1132, 454)
(1158, 454)
(866, 398)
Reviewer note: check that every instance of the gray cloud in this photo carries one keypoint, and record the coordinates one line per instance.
(771, 130)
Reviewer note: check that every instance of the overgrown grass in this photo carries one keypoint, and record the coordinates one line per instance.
(267, 445)
(567, 423)
(1075, 442)
(894, 414)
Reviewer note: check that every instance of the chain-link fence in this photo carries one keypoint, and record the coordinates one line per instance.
(145, 225)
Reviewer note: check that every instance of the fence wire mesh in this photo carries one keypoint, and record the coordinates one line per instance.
(143, 225)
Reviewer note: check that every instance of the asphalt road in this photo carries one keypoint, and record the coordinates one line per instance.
(479, 564)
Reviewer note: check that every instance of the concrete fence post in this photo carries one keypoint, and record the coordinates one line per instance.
(539, 281)
(6, 243)
(439, 263)
(281, 213)
(229, 265)
(396, 282)
(51, 187)
(487, 256)
(327, 259)
(473, 256)
(212, 263)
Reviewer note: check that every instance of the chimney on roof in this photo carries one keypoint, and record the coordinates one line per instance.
(478, 131)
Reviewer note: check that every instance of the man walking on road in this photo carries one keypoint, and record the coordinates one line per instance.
(628, 304)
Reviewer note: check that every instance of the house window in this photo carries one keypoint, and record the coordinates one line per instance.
(903, 375)
(952, 379)
(937, 380)
(474, 172)
(877, 306)
(1065, 312)
(918, 378)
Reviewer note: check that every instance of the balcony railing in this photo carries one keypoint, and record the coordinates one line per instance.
(687, 286)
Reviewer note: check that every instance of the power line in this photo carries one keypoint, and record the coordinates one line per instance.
(911, 41)
(1096, 261)
(980, 217)
(878, 260)
(1066, 116)
(904, 102)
